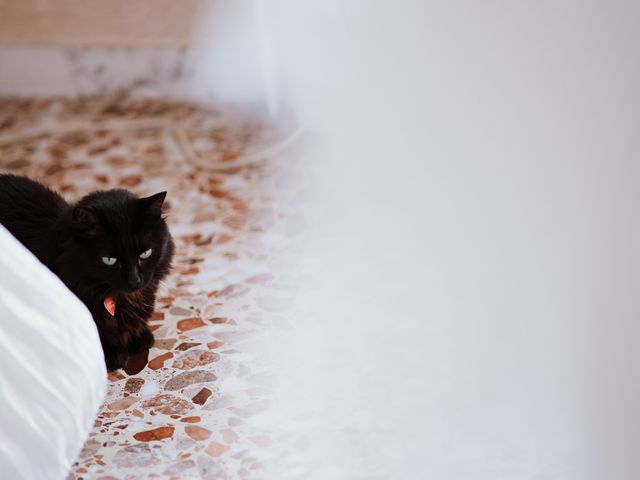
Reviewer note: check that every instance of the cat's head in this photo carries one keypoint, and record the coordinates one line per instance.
(123, 241)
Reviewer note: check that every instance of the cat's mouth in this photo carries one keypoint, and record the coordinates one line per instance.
(124, 291)
(133, 289)
(129, 288)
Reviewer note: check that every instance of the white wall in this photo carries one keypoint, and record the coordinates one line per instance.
(201, 50)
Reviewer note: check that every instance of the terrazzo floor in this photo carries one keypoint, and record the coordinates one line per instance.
(185, 411)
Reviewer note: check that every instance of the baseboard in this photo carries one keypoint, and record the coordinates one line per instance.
(191, 74)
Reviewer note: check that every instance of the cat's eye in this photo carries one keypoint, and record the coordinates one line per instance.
(110, 261)
(146, 254)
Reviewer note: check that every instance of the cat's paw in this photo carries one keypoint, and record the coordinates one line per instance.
(115, 360)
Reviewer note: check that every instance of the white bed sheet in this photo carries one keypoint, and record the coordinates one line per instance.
(52, 373)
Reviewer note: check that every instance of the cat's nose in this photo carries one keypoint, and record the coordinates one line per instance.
(134, 279)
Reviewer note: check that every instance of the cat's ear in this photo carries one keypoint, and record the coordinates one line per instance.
(85, 220)
(152, 206)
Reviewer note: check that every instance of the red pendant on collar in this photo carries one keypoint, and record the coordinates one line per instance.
(110, 305)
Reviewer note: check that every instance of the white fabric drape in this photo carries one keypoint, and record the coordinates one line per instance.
(52, 373)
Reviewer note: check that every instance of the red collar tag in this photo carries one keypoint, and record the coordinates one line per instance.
(110, 305)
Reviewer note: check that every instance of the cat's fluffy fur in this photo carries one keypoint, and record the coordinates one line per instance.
(73, 239)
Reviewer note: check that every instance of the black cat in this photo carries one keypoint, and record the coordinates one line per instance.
(111, 249)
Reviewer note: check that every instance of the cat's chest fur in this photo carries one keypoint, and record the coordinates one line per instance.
(130, 315)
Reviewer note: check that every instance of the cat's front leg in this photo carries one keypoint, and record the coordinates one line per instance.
(114, 358)
(143, 341)
(115, 353)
